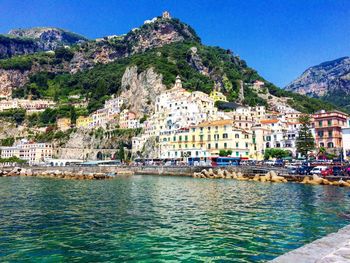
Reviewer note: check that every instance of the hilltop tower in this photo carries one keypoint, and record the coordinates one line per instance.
(178, 83)
(166, 15)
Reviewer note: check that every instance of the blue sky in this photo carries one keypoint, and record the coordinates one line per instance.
(279, 38)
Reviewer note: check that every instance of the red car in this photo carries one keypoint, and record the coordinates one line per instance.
(327, 172)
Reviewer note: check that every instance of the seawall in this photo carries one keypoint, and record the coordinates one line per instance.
(332, 248)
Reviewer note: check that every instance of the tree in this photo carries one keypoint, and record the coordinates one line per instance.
(305, 141)
(225, 153)
(276, 153)
(121, 153)
(73, 115)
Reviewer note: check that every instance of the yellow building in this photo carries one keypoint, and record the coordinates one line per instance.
(217, 96)
(63, 124)
(207, 139)
(261, 135)
(83, 122)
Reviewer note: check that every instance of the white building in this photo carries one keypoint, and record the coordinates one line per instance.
(34, 153)
(29, 105)
(99, 118)
(113, 106)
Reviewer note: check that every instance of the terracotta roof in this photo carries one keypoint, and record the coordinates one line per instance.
(215, 123)
(268, 121)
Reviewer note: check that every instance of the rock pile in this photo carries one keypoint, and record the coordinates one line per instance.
(225, 174)
(269, 177)
(55, 174)
(316, 180)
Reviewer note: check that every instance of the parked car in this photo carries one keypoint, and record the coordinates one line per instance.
(327, 172)
(269, 162)
(318, 170)
(304, 170)
(292, 170)
(339, 171)
(279, 162)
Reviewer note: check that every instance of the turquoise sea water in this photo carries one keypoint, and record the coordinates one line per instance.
(158, 219)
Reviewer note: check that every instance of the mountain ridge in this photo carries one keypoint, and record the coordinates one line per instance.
(329, 81)
(95, 68)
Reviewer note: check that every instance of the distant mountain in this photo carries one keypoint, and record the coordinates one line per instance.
(28, 41)
(329, 81)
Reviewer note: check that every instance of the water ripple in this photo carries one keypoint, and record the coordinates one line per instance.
(158, 219)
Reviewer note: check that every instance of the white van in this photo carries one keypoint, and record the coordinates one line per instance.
(318, 169)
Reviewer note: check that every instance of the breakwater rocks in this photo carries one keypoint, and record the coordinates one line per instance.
(225, 174)
(62, 174)
(268, 177)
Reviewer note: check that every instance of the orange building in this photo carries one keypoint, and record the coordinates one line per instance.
(328, 128)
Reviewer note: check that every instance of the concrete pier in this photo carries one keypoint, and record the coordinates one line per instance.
(332, 248)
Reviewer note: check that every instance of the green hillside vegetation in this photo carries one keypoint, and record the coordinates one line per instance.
(98, 83)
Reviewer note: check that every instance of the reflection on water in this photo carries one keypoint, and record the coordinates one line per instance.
(150, 218)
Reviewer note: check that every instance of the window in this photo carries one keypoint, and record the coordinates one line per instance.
(193, 138)
(209, 137)
(329, 122)
(209, 146)
(320, 123)
(186, 138)
(237, 136)
(320, 134)
(180, 138)
(225, 145)
(201, 138)
(174, 138)
(237, 144)
(216, 145)
(246, 145)
(225, 135)
(237, 154)
(330, 133)
(330, 145)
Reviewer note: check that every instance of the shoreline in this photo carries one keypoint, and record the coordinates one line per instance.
(252, 173)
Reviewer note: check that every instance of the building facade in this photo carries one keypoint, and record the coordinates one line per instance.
(328, 129)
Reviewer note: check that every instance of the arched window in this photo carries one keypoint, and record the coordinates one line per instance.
(237, 136)
(321, 144)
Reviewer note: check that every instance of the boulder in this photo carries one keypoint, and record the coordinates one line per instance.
(256, 178)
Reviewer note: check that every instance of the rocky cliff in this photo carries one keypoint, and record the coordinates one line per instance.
(28, 41)
(140, 89)
(329, 80)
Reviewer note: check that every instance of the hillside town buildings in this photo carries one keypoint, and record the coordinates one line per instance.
(33, 153)
(187, 124)
(31, 106)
